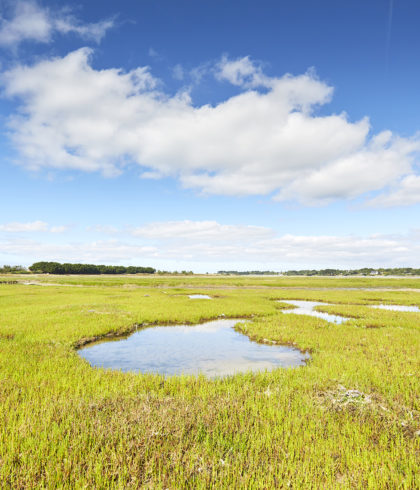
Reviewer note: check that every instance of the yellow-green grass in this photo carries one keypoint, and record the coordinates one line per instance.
(66, 424)
(187, 281)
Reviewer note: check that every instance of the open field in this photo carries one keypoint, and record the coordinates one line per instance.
(208, 281)
(66, 424)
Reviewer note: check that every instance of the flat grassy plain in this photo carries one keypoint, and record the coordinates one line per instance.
(210, 281)
(350, 418)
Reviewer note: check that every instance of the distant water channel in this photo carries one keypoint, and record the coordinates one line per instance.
(213, 349)
(307, 308)
(397, 308)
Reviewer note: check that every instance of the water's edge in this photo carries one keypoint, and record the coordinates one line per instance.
(188, 358)
(111, 336)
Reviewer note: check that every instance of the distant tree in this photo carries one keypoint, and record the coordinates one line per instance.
(67, 268)
(12, 269)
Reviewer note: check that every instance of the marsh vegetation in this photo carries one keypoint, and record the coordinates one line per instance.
(348, 419)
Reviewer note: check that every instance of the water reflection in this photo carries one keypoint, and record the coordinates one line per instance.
(199, 296)
(307, 308)
(212, 348)
(397, 307)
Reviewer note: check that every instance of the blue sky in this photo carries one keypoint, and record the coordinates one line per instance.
(214, 135)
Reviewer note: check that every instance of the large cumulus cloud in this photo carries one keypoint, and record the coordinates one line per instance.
(268, 139)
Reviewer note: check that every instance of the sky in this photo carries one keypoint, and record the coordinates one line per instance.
(210, 135)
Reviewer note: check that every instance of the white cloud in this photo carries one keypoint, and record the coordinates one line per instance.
(178, 72)
(58, 229)
(154, 54)
(369, 169)
(272, 142)
(201, 230)
(199, 72)
(95, 30)
(33, 226)
(18, 227)
(242, 72)
(31, 22)
(107, 229)
(406, 193)
(110, 251)
(178, 245)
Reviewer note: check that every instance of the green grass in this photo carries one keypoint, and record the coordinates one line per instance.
(148, 280)
(66, 424)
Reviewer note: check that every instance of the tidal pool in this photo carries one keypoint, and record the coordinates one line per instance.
(213, 349)
(397, 307)
(307, 308)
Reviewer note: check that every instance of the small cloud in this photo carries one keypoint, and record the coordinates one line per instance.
(107, 229)
(242, 72)
(16, 227)
(58, 229)
(151, 175)
(201, 230)
(154, 54)
(33, 226)
(31, 22)
(95, 31)
(178, 72)
(199, 72)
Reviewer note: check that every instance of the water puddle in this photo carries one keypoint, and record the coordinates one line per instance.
(397, 308)
(307, 308)
(213, 349)
(199, 296)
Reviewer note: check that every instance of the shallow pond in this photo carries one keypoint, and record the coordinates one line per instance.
(397, 308)
(199, 296)
(307, 308)
(213, 349)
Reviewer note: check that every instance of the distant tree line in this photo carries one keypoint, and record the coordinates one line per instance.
(175, 273)
(13, 269)
(57, 268)
(331, 272)
(365, 271)
(248, 273)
